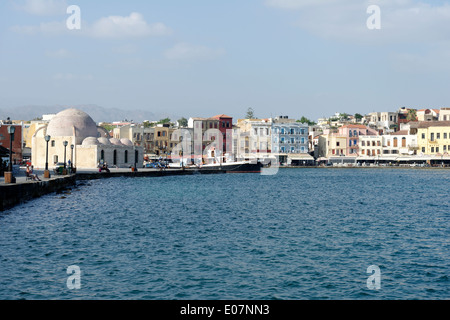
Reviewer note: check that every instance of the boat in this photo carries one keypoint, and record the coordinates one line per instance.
(213, 164)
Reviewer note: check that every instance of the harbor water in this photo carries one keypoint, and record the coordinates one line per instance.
(298, 235)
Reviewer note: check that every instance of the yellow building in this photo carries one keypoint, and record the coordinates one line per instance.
(434, 137)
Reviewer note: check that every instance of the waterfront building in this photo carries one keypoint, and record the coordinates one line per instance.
(401, 143)
(5, 139)
(206, 134)
(370, 146)
(290, 140)
(225, 127)
(138, 135)
(254, 138)
(344, 141)
(91, 144)
(434, 137)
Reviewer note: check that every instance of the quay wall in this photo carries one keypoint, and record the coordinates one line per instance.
(17, 193)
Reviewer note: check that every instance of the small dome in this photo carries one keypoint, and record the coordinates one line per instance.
(72, 122)
(104, 141)
(126, 142)
(115, 142)
(90, 141)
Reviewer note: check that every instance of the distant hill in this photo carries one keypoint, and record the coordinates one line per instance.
(99, 114)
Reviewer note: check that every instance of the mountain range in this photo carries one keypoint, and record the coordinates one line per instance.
(97, 113)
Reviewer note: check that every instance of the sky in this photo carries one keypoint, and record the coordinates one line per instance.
(202, 58)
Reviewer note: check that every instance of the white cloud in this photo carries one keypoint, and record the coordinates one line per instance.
(402, 21)
(131, 26)
(123, 27)
(44, 7)
(186, 51)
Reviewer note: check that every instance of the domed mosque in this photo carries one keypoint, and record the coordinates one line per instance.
(88, 145)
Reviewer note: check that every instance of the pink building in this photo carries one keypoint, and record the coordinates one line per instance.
(351, 133)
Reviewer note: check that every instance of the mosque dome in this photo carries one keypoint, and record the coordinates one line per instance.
(126, 142)
(115, 142)
(90, 141)
(65, 122)
(104, 141)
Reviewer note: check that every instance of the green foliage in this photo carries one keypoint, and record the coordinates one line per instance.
(250, 114)
(183, 122)
(164, 121)
(303, 119)
(358, 116)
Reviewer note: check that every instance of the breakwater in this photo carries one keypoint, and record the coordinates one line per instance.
(17, 193)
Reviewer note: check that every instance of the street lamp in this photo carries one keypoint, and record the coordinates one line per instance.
(9, 176)
(71, 157)
(65, 143)
(46, 172)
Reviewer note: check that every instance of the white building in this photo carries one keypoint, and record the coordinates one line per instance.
(91, 144)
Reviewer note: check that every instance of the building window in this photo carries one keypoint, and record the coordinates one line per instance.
(445, 135)
(115, 157)
(438, 135)
(53, 143)
(432, 136)
(423, 149)
(126, 156)
(363, 143)
(432, 149)
(423, 135)
(403, 142)
(445, 148)
(395, 142)
(437, 149)
(55, 159)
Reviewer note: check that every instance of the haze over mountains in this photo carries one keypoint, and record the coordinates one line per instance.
(98, 113)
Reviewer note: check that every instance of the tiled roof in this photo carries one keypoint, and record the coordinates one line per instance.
(222, 116)
(427, 124)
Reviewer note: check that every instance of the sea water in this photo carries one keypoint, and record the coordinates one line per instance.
(299, 234)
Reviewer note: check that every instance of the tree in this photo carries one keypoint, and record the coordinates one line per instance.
(303, 119)
(358, 116)
(250, 114)
(183, 122)
(411, 115)
(164, 121)
(344, 116)
(146, 124)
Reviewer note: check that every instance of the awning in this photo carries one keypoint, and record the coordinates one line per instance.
(302, 157)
